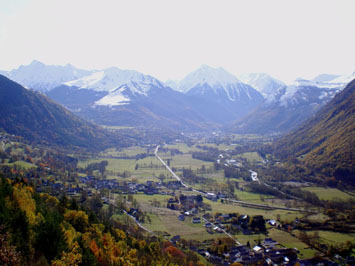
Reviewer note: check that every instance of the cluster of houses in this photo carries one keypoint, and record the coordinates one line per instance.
(57, 188)
(231, 222)
(89, 183)
(266, 252)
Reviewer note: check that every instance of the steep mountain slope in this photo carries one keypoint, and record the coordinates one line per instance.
(32, 115)
(290, 106)
(326, 141)
(41, 77)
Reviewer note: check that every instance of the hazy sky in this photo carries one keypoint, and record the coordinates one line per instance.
(168, 39)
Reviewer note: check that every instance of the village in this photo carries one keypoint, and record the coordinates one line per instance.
(192, 209)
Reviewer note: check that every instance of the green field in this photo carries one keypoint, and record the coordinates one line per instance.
(250, 156)
(22, 164)
(328, 193)
(186, 229)
(182, 147)
(252, 197)
(331, 238)
(268, 214)
(290, 241)
(186, 161)
(130, 151)
(150, 167)
(142, 198)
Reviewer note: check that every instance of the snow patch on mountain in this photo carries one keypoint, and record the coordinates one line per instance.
(125, 93)
(174, 84)
(343, 80)
(323, 86)
(116, 97)
(324, 78)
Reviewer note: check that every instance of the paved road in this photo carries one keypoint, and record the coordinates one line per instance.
(138, 223)
(168, 168)
(224, 231)
(134, 219)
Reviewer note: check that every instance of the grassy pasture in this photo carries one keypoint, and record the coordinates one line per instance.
(328, 193)
(250, 156)
(186, 161)
(268, 214)
(290, 241)
(331, 238)
(182, 147)
(22, 164)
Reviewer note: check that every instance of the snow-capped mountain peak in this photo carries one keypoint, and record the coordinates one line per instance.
(206, 75)
(342, 80)
(268, 86)
(42, 77)
(324, 78)
(109, 79)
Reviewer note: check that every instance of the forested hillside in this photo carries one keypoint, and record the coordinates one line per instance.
(38, 229)
(36, 118)
(326, 142)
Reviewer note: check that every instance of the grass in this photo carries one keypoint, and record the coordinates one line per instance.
(121, 165)
(186, 161)
(328, 193)
(290, 241)
(253, 239)
(221, 147)
(142, 198)
(182, 147)
(166, 220)
(250, 156)
(268, 214)
(22, 164)
(130, 151)
(320, 217)
(331, 238)
(251, 197)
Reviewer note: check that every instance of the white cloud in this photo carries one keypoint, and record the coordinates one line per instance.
(168, 39)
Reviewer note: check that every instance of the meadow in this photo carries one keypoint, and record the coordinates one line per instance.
(329, 193)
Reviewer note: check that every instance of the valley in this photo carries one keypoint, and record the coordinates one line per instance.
(171, 167)
(197, 192)
(177, 133)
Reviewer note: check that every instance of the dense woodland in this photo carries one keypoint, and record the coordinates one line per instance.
(39, 229)
(324, 145)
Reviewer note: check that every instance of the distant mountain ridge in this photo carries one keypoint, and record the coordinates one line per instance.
(291, 105)
(268, 86)
(326, 141)
(206, 98)
(41, 77)
(130, 98)
(32, 115)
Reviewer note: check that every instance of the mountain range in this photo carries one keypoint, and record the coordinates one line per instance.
(125, 97)
(41, 77)
(206, 99)
(287, 106)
